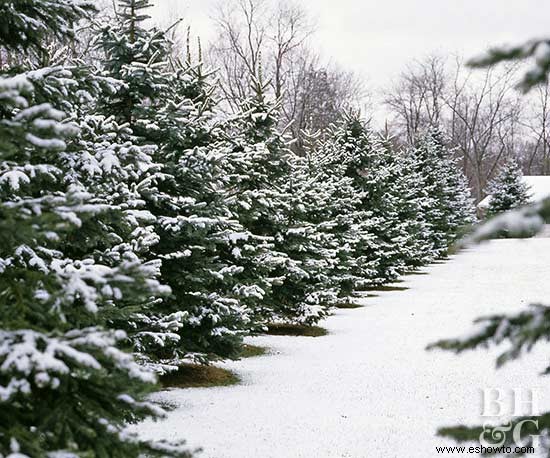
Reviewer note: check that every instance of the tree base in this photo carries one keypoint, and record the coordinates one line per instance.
(296, 330)
(198, 376)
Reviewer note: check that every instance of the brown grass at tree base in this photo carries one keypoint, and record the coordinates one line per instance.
(348, 305)
(281, 329)
(250, 351)
(198, 376)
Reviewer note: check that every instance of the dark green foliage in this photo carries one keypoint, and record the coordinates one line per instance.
(68, 271)
(25, 24)
(203, 248)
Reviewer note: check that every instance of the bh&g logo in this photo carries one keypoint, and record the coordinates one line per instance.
(508, 403)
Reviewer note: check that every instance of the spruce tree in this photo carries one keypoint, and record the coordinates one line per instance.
(272, 201)
(400, 209)
(66, 275)
(461, 207)
(24, 25)
(307, 239)
(411, 201)
(348, 221)
(507, 189)
(168, 106)
(377, 251)
(450, 208)
(256, 164)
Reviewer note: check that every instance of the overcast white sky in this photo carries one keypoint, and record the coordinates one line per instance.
(379, 37)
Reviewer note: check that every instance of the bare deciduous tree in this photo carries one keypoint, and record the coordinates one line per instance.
(483, 121)
(536, 157)
(253, 33)
(318, 95)
(479, 112)
(275, 36)
(417, 99)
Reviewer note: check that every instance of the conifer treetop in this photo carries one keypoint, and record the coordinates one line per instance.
(132, 14)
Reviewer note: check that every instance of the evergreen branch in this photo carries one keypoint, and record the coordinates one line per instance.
(522, 331)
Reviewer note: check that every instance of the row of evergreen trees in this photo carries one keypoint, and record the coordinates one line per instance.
(139, 227)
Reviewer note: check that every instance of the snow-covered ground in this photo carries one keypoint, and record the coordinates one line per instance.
(369, 389)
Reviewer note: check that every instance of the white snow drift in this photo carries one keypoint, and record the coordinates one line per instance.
(369, 389)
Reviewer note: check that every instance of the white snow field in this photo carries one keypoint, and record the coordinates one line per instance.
(369, 389)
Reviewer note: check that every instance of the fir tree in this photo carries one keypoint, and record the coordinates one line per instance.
(255, 163)
(308, 290)
(507, 189)
(343, 224)
(349, 223)
(411, 201)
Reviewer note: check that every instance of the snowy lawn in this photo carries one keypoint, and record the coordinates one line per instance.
(369, 389)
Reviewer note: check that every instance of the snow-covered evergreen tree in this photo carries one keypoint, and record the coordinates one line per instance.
(307, 239)
(399, 209)
(25, 25)
(66, 275)
(256, 164)
(411, 200)
(377, 250)
(450, 208)
(460, 201)
(507, 189)
(168, 106)
(349, 223)
(273, 201)
(343, 224)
